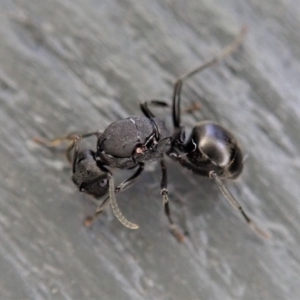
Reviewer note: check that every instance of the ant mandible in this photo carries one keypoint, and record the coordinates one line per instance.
(210, 151)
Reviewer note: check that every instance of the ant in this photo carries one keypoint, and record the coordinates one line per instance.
(211, 151)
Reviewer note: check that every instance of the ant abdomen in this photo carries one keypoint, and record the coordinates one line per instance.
(214, 148)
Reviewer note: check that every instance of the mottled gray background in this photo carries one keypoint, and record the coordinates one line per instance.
(80, 65)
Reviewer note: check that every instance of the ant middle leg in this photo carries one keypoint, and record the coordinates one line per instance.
(164, 192)
(71, 138)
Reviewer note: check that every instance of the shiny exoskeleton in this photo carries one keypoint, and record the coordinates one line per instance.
(211, 151)
(212, 148)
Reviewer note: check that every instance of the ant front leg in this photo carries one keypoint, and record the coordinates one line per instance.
(71, 137)
(227, 51)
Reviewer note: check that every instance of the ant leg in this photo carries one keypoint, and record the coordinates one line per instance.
(122, 187)
(193, 107)
(227, 51)
(130, 181)
(164, 192)
(237, 206)
(146, 111)
(56, 141)
(71, 137)
(229, 197)
(68, 154)
(89, 220)
(75, 145)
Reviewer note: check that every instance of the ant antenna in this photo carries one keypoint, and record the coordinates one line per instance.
(115, 207)
(238, 207)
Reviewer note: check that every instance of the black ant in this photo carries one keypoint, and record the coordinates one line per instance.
(211, 151)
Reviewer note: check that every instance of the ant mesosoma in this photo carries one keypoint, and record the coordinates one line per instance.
(210, 151)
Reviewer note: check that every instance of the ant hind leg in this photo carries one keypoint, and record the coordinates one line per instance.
(227, 51)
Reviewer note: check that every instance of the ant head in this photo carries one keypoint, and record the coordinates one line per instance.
(88, 177)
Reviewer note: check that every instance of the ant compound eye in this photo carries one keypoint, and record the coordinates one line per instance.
(103, 183)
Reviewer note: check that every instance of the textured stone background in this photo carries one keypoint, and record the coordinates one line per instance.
(80, 65)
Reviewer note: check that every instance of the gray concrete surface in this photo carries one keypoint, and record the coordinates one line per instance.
(80, 65)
